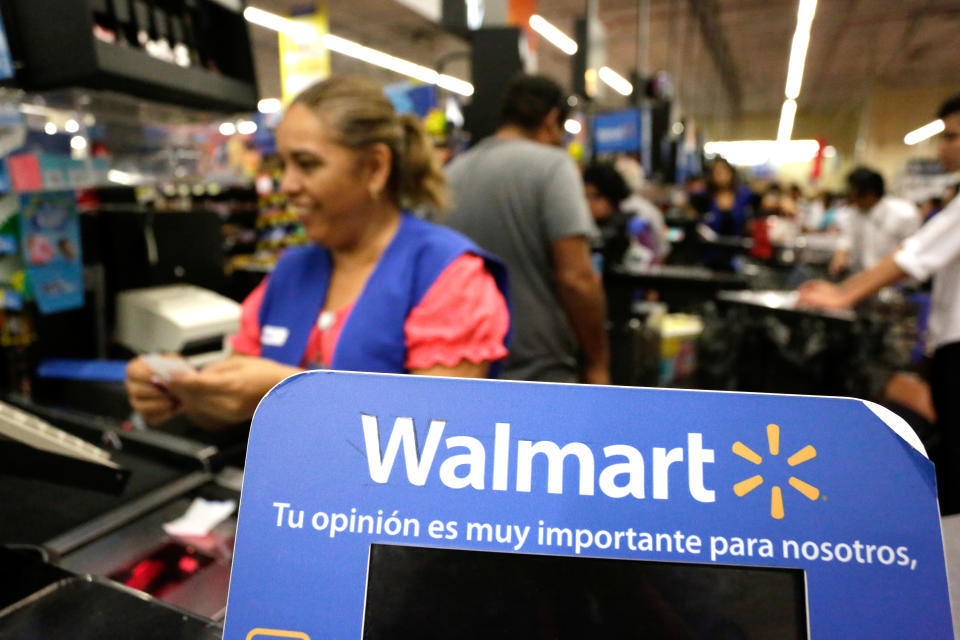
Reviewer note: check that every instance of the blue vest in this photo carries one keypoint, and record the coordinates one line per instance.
(373, 337)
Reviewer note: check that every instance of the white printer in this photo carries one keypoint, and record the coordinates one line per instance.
(176, 318)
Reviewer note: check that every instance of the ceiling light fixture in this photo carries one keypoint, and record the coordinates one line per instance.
(787, 114)
(752, 153)
(798, 49)
(277, 23)
(359, 51)
(926, 131)
(227, 128)
(615, 81)
(573, 126)
(393, 63)
(553, 35)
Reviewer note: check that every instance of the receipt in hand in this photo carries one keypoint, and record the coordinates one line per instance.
(166, 366)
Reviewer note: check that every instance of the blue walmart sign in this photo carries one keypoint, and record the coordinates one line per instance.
(617, 131)
(390, 506)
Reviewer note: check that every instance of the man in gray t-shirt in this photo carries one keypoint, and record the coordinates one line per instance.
(521, 197)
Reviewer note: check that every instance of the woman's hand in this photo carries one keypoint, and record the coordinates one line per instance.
(227, 392)
(148, 394)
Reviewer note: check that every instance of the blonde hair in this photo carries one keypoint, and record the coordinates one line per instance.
(361, 115)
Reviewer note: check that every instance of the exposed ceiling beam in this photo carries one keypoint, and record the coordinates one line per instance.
(707, 15)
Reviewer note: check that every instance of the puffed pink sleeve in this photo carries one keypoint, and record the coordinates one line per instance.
(463, 316)
(246, 341)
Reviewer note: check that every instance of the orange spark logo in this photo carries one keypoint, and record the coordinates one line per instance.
(744, 487)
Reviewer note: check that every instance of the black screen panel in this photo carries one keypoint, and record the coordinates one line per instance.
(417, 592)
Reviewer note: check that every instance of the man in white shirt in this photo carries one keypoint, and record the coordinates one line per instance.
(933, 250)
(875, 224)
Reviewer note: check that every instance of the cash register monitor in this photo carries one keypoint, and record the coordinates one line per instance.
(425, 593)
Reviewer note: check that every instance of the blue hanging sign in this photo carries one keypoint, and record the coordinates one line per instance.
(50, 246)
(382, 506)
(617, 131)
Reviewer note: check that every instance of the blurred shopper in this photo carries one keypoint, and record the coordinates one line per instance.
(692, 198)
(823, 213)
(767, 211)
(875, 225)
(796, 206)
(933, 250)
(380, 290)
(727, 203)
(627, 222)
(519, 195)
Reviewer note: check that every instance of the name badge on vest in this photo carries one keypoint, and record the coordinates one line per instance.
(272, 336)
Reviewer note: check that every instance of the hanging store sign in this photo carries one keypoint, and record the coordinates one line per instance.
(384, 506)
(50, 247)
(303, 60)
(618, 131)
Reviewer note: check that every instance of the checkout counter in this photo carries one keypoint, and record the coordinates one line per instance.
(681, 288)
(772, 345)
(94, 529)
(89, 535)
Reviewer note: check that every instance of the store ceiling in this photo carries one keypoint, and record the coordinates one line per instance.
(856, 45)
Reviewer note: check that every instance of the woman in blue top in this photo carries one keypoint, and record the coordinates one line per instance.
(378, 290)
(728, 201)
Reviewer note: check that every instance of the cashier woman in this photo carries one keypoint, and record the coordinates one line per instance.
(933, 250)
(378, 290)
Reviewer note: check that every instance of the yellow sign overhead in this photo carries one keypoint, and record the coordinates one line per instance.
(303, 60)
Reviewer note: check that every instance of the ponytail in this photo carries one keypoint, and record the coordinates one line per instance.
(420, 181)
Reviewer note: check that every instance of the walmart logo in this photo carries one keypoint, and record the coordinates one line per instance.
(776, 495)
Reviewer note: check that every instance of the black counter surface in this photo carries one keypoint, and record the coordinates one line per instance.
(34, 511)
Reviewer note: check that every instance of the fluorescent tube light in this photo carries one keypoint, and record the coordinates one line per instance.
(378, 58)
(787, 114)
(615, 81)
(798, 49)
(926, 131)
(393, 63)
(751, 153)
(553, 35)
(277, 23)
(456, 85)
(358, 51)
